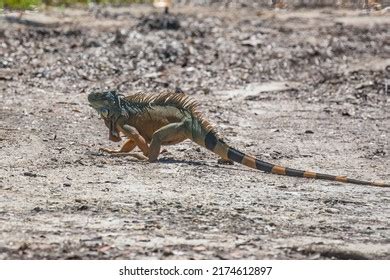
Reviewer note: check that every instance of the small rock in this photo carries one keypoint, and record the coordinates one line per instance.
(30, 174)
(37, 209)
(23, 247)
(167, 252)
(82, 208)
(199, 248)
(332, 210)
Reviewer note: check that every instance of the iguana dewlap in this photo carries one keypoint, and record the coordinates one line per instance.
(149, 121)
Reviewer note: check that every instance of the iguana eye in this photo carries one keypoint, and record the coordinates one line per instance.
(104, 112)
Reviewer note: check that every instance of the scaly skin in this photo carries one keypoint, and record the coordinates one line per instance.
(149, 121)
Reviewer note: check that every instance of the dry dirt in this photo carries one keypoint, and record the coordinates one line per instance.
(304, 89)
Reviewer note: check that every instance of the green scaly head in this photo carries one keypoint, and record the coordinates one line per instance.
(108, 105)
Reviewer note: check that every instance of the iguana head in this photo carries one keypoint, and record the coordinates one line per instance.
(108, 105)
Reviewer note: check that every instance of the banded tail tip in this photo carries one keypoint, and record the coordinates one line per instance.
(381, 184)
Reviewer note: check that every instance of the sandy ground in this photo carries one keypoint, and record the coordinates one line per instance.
(305, 89)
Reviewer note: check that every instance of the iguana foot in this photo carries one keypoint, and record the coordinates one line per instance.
(119, 153)
(138, 156)
(225, 161)
(134, 155)
(110, 151)
(152, 159)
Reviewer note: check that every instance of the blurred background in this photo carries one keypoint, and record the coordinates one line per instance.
(23, 4)
(197, 45)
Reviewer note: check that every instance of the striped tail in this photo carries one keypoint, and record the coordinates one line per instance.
(219, 147)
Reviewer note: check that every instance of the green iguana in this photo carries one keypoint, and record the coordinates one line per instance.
(149, 121)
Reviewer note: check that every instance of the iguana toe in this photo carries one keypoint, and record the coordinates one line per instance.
(110, 151)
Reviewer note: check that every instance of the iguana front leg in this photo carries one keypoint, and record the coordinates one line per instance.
(127, 147)
(170, 134)
(132, 133)
(125, 150)
(135, 139)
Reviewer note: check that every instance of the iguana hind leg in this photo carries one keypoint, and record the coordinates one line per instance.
(170, 134)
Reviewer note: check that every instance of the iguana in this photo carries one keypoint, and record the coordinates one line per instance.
(149, 121)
